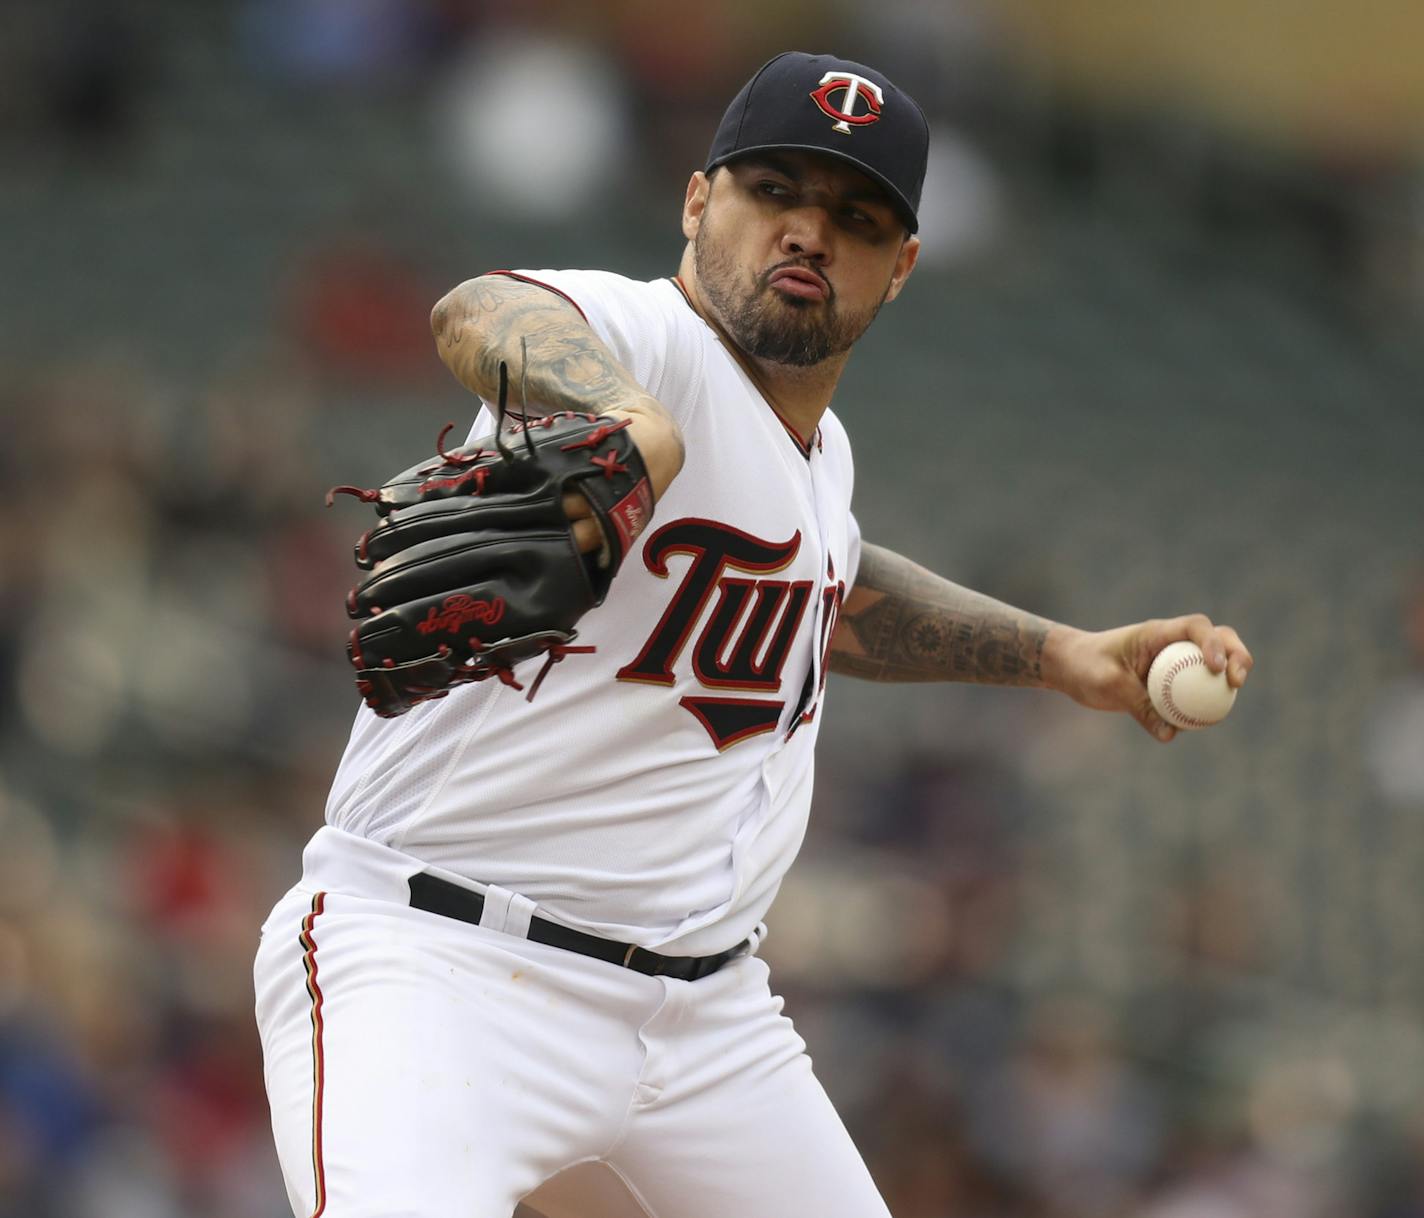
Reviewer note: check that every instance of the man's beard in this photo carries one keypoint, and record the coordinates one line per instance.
(768, 325)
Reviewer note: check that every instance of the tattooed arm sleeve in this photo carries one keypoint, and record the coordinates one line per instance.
(481, 322)
(904, 623)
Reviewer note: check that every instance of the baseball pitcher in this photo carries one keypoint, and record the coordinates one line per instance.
(592, 645)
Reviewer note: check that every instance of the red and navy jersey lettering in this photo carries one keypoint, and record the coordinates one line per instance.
(832, 597)
(748, 635)
(715, 548)
(776, 599)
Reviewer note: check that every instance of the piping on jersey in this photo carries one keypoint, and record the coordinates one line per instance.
(308, 942)
(539, 283)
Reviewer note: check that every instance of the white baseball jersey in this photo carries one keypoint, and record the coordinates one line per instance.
(656, 790)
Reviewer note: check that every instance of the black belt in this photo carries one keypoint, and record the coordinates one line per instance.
(438, 896)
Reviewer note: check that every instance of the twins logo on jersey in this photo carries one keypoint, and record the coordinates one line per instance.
(745, 641)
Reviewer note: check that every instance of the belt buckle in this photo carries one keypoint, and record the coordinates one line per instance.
(660, 964)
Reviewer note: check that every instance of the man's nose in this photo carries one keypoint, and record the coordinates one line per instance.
(807, 234)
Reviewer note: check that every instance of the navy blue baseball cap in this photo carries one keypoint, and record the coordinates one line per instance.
(818, 103)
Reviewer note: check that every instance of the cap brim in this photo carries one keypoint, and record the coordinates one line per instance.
(897, 200)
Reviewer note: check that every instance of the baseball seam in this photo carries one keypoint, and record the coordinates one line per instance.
(1181, 718)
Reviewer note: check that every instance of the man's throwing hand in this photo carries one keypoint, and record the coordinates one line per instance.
(1107, 669)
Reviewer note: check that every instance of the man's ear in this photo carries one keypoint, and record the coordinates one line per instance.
(695, 203)
(904, 264)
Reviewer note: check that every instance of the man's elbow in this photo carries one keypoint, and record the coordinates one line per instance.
(444, 316)
(451, 314)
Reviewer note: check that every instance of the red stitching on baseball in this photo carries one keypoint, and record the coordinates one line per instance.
(1186, 720)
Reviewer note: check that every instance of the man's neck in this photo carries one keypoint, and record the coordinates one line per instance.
(799, 395)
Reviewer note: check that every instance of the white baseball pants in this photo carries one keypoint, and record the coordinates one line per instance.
(421, 1067)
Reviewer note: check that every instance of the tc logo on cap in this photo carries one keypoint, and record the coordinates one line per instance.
(851, 88)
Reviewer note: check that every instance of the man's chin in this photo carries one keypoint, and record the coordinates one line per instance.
(791, 354)
(783, 330)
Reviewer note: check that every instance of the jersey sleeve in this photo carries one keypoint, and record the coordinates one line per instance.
(643, 325)
(836, 452)
(852, 550)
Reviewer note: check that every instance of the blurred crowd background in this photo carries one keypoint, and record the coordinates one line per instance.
(1163, 353)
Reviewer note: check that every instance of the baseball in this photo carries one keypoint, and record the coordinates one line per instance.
(1184, 691)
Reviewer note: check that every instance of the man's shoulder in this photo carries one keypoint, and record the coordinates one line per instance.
(836, 451)
(833, 431)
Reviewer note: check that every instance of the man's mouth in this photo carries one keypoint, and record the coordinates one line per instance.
(798, 282)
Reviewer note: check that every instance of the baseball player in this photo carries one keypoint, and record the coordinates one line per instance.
(521, 962)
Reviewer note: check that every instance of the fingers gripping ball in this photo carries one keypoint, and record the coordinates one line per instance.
(1184, 691)
(473, 565)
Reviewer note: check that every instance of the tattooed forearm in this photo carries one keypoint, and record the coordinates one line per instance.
(480, 324)
(904, 623)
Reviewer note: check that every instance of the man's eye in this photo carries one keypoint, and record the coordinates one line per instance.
(775, 189)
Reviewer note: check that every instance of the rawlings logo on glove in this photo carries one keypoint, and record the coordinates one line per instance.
(459, 610)
(478, 540)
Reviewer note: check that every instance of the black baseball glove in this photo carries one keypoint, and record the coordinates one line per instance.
(473, 565)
